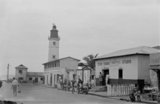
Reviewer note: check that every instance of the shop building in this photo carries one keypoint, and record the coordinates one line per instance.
(128, 66)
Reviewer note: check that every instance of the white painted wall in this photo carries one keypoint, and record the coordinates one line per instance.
(53, 49)
(153, 77)
(23, 75)
(45, 78)
(54, 79)
(79, 74)
(155, 59)
(143, 68)
(69, 63)
(86, 76)
(130, 70)
(52, 68)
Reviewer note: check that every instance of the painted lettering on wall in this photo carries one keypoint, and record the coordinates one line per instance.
(126, 61)
(113, 62)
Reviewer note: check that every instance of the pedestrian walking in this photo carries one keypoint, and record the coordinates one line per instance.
(15, 86)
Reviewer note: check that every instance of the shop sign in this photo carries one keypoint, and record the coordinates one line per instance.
(115, 62)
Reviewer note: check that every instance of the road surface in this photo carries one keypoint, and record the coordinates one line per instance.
(40, 94)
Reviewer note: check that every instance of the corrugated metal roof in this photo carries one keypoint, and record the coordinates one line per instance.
(130, 51)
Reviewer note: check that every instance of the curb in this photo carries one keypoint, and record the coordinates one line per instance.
(122, 99)
(98, 95)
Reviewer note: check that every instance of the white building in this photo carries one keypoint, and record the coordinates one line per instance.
(22, 75)
(126, 66)
(55, 67)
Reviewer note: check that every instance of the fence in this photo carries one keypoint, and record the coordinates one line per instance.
(119, 90)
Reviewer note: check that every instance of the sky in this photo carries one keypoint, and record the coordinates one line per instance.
(85, 27)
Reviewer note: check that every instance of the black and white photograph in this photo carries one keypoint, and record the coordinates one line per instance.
(79, 52)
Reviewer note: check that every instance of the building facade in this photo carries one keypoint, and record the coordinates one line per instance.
(35, 77)
(155, 69)
(58, 68)
(84, 73)
(22, 75)
(126, 66)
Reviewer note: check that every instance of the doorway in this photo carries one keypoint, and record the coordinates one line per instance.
(51, 79)
(105, 72)
(36, 80)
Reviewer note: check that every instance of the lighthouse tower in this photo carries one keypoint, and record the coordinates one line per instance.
(53, 52)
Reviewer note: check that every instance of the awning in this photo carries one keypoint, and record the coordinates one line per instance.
(155, 67)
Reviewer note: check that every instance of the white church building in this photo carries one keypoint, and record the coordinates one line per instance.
(56, 67)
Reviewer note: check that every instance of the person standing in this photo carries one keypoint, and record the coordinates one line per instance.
(73, 85)
(79, 85)
(100, 78)
(61, 83)
(93, 82)
(107, 79)
(15, 86)
(69, 85)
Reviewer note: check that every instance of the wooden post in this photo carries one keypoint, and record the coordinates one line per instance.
(8, 72)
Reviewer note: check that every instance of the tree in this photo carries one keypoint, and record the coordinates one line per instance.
(89, 64)
(90, 61)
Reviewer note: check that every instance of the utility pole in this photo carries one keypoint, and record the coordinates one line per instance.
(8, 72)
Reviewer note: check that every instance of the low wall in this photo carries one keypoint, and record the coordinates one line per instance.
(119, 90)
